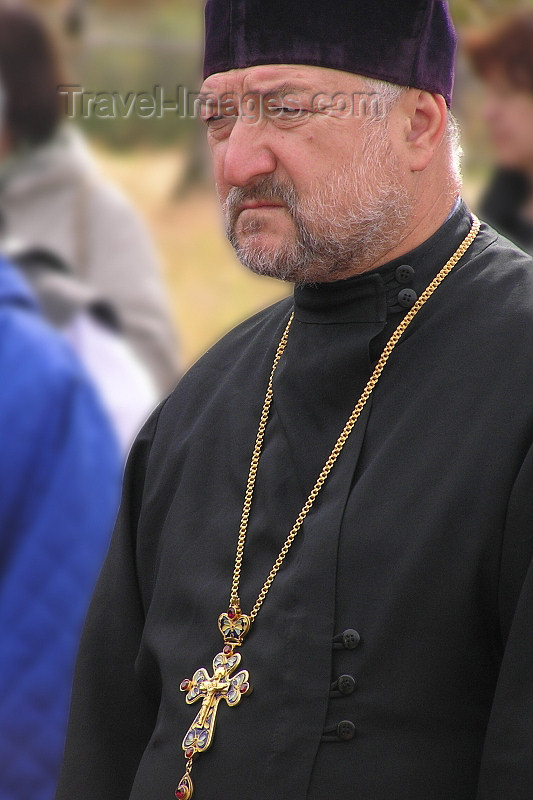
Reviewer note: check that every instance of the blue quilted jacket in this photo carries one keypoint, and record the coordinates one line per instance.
(59, 485)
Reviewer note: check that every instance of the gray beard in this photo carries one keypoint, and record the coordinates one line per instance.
(341, 230)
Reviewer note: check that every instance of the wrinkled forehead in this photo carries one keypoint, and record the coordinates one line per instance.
(283, 79)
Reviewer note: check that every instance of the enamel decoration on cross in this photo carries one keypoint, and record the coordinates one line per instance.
(222, 685)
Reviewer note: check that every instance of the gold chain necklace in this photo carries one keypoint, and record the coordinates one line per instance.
(233, 624)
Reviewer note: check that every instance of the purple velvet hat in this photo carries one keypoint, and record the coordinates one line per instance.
(407, 42)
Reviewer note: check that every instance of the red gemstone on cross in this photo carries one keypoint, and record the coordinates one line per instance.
(184, 685)
(232, 613)
(244, 688)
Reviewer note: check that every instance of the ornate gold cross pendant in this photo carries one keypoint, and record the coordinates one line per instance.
(222, 685)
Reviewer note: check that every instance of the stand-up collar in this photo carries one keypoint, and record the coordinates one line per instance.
(392, 288)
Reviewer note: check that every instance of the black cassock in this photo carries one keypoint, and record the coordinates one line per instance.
(421, 542)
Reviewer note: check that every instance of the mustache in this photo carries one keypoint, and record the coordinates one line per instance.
(266, 189)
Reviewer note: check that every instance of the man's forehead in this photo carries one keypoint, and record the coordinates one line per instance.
(282, 78)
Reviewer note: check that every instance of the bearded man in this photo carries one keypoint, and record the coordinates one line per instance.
(367, 560)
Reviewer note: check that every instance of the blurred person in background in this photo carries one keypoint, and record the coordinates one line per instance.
(53, 198)
(503, 58)
(59, 485)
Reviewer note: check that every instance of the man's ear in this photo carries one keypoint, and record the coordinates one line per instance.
(427, 117)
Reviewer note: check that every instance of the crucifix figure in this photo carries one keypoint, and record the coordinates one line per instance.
(211, 689)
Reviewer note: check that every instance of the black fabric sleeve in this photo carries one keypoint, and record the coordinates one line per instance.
(111, 718)
(507, 765)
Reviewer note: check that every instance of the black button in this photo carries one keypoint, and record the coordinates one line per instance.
(407, 298)
(350, 639)
(346, 730)
(346, 684)
(405, 274)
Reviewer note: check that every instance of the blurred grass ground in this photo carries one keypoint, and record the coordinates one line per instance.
(209, 291)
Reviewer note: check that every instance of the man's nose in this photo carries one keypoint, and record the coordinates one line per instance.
(248, 156)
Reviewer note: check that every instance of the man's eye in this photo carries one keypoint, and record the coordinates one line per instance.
(287, 110)
(219, 122)
(287, 113)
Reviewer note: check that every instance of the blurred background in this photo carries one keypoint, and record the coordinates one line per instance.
(130, 45)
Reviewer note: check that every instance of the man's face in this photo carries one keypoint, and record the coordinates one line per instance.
(310, 184)
(509, 116)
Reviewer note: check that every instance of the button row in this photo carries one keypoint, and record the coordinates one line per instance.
(345, 684)
(406, 297)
